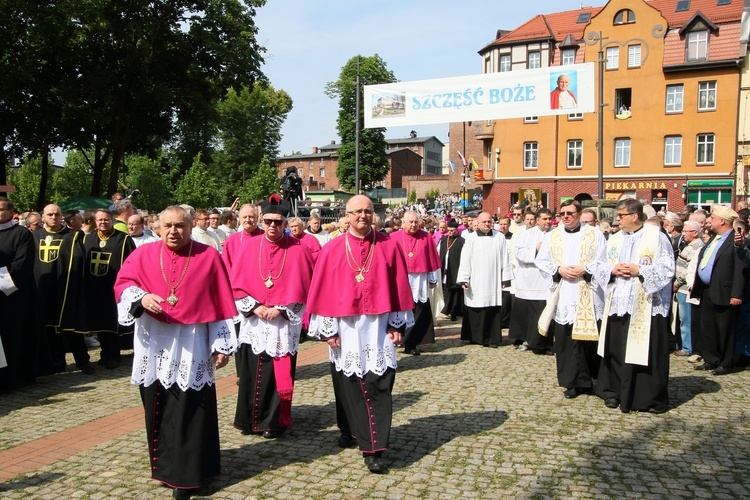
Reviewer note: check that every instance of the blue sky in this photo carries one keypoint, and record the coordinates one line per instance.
(308, 42)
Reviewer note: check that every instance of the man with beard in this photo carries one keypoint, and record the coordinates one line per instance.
(422, 263)
(449, 249)
(177, 293)
(362, 321)
(483, 272)
(530, 285)
(270, 296)
(568, 259)
(58, 274)
(105, 249)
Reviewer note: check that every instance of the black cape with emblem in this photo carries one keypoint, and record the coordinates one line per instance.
(103, 262)
(58, 275)
(17, 310)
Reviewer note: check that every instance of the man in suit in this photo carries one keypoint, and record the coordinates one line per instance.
(719, 284)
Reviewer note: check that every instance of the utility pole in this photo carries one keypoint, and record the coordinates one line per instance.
(594, 38)
(356, 136)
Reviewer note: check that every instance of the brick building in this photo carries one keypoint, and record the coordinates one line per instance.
(672, 99)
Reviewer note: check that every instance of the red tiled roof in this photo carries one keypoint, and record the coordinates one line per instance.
(722, 46)
(555, 26)
(717, 14)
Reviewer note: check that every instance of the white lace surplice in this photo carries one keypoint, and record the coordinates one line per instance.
(276, 338)
(174, 353)
(420, 285)
(365, 346)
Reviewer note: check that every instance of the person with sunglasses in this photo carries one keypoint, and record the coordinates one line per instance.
(270, 289)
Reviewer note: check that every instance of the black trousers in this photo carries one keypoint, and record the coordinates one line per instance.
(717, 332)
(577, 361)
(364, 407)
(63, 342)
(482, 325)
(423, 330)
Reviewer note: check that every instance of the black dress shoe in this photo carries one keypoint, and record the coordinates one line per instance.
(375, 464)
(347, 441)
(721, 370)
(492, 346)
(657, 411)
(571, 393)
(180, 493)
(411, 350)
(611, 403)
(453, 318)
(706, 367)
(88, 369)
(272, 434)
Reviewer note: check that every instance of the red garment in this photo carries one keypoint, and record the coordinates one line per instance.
(312, 244)
(425, 257)
(334, 290)
(204, 295)
(554, 98)
(234, 242)
(294, 281)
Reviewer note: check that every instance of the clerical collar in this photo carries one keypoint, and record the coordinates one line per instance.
(320, 229)
(482, 233)
(574, 230)
(361, 237)
(276, 241)
(52, 231)
(7, 225)
(633, 232)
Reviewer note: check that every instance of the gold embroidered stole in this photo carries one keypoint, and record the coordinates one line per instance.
(639, 328)
(584, 326)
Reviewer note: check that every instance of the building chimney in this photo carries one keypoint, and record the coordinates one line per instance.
(315, 150)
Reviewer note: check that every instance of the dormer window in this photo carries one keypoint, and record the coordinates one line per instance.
(583, 18)
(697, 45)
(682, 6)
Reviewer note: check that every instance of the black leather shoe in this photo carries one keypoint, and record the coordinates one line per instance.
(611, 403)
(706, 367)
(272, 434)
(88, 369)
(657, 411)
(571, 393)
(411, 350)
(180, 493)
(375, 464)
(721, 370)
(346, 441)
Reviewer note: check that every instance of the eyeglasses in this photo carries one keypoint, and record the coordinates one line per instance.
(273, 222)
(620, 216)
(517, 215)
(361, 211)
(568, 214)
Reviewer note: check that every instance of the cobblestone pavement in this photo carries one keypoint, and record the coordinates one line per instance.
(469, 422)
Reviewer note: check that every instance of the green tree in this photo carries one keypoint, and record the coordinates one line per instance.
(199, 187)
(27, 179)
(373, 162)
(263, 183)
(250, 129)
(73, 180)
(151, 177)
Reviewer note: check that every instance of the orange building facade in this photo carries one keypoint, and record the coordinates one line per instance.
(671, 94)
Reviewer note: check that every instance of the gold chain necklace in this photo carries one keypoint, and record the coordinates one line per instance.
(102, 238)
(363, 268)
(172, 299)
(269, 279)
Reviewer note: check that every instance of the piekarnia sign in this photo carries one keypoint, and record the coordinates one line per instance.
(555, 90)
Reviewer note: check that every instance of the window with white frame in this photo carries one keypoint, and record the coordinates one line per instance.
(634, 56)
(705, 149)
(505, 63)
(530, 155)
(535, 60)
(530, 119)
(487, 65)
(575, 154)
(568, 56)
(622, 152)
(575, 116)
(706, 96)
(489, 158)
(322, 172)
(697, 45)
(613, 58)
(311, 165)
(674, 98)
(673, 150)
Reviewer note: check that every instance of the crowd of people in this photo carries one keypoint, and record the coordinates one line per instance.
(185, 289)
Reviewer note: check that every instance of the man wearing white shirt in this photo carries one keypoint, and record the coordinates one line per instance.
(200, 231)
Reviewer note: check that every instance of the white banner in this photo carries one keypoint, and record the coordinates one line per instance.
(556, 90)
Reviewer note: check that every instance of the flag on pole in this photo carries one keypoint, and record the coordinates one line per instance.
(463, 159)
(474, 163)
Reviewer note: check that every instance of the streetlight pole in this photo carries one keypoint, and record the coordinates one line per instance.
(356, 133)
(594, 38)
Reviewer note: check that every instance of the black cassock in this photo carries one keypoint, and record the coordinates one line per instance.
(453, 293)
(17, 310)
